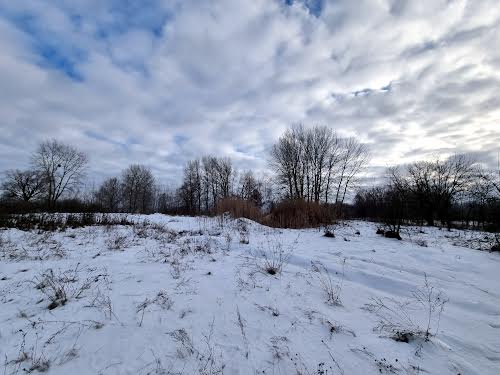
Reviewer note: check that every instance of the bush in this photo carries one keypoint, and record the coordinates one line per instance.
(416, 317)
(329, 233)
(273, 259)
(331, 289)
(55, 221)
(242, 228)
(392, 234)
(62, 286)
(422, 243)
(298, 214)
(117, 242)
(239, 208)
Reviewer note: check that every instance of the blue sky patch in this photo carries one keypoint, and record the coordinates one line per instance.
(51, 50)
(180, 139)
(314, 6)
(54, 58)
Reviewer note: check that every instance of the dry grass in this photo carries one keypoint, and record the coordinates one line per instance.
(298, 214)
(238, 208)
(331, 288)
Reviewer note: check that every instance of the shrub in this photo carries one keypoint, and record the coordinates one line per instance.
(331, 289)
(389, 233)
(273, 260)
(242, 228)
(117, 242)
(329, 232)
(392, 234)
(54, 221)
(161, 300)
(402, 320)
(239, 208)
(54, 288)
(496, 246)
(298, 214)
(34, 360)
(63, 286)
(422, 243)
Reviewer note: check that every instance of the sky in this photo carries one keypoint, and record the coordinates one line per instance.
(160, 82)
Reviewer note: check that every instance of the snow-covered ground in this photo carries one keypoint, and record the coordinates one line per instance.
(185, 295)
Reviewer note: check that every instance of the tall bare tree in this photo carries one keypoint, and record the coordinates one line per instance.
(205, 182)
(493, 178)
(251, 188)
(109, 194)
(311, 163)
(333, 161)
(25, 185)
(138, 188)
(209, 181)
(286, 157)
(62, 167)
(353, 157)
(323, 142)
(191, 189)
(224, 174)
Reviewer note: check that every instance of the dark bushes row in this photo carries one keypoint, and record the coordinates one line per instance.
(17, 206)
(55, 222)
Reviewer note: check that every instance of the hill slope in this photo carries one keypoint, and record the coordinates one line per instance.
(180, 295)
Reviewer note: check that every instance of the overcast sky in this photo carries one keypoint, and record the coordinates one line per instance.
(159, 82)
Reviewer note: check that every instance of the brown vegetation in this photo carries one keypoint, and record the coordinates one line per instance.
(238, 208)
(299, 214)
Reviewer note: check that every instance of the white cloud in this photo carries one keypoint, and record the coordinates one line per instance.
(227, 77)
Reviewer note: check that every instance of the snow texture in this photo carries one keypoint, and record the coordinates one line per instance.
(183, 295)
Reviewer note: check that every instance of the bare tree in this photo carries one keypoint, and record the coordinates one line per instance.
(286, 161)
(251, 188)
(109, 194)
(493, 178)
(167, 201)
(310, 163)
(209, 181)
(334, 157)
(138, 188)
(354, 156)
(205, 182)
(190, 191)
(484, 199)
(224, 169)
(437, 184)
(321, 159)
(26, 185)
(62, 167)
(496, 185)
(318, 145)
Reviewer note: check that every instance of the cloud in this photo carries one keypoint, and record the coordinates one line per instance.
(175, 80)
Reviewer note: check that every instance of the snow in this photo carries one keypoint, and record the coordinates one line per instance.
(182, 295)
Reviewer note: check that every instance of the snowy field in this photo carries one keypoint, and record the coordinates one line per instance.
(182, 295)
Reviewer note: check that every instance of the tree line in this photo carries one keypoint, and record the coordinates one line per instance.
(57, 172)
(315, 175)
(452, 191)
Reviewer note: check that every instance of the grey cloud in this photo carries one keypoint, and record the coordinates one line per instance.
(410, 78)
